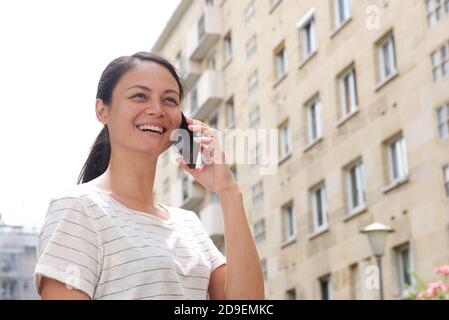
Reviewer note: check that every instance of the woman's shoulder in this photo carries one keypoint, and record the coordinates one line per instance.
(72, 194)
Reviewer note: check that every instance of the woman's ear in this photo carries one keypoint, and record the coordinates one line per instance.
(102, 111)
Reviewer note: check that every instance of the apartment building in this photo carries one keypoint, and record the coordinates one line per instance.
(17, 261)
(359, 93)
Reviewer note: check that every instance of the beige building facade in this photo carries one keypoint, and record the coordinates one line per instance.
(359, 94)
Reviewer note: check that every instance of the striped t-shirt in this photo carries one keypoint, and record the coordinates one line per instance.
(95, 244)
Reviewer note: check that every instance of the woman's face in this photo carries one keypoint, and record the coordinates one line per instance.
(145, 95)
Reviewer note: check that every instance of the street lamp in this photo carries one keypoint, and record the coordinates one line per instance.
(377, 237)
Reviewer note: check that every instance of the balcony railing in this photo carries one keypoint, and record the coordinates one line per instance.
(212, 219)
(187, 193)
(205, 33)
(209, 93)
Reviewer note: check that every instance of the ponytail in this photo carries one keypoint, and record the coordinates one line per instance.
(98, 160)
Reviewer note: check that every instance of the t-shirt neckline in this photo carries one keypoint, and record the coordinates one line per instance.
(146, 214)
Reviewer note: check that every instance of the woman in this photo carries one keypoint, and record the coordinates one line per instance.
(107, 238)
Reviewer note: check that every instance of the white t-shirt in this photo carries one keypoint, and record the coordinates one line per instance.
(95, 244)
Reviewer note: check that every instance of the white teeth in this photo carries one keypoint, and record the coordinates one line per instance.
(149, 127)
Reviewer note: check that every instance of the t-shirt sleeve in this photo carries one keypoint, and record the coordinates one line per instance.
(68, 246)
(216, 258)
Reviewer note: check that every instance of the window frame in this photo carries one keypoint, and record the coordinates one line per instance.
(348, 78)
(403, 290)
(347, 10)
(388, 40)
(400, 156)
(360, 187)
(285, 140)
(314, 104)
(289, 211)
(308, 34)
(280, 62)
(321, 188)
(228, 49)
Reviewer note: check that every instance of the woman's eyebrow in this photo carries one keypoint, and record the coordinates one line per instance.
(148, 89)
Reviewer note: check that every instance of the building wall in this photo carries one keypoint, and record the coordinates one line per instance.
(17, 261)
(417, 209)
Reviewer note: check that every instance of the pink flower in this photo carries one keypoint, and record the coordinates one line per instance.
(443, 270)
(434, 288)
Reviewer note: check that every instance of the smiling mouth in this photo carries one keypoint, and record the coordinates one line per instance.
(158, 130)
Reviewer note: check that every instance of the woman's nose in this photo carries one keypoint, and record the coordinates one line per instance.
(153, 107)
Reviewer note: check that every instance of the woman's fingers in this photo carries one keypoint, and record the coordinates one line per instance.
(203, 140)
(200, 128)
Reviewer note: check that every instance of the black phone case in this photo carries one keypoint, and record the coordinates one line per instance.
(188, 157)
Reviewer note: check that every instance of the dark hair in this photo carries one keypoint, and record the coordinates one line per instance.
(98, 160)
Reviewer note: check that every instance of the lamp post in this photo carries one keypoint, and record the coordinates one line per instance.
(377, 237)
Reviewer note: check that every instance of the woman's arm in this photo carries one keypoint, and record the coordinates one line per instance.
(244, 278)
(55, 290)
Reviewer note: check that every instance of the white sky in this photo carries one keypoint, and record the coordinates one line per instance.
(51, 58)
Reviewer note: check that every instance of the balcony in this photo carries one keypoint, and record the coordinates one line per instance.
(212, 219)
(190, 73)
(207, 95)
(187, 193)
(204, 34)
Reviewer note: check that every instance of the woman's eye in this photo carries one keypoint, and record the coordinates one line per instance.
(139, 95)
(172, 100)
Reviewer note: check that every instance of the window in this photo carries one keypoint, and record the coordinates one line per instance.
(254, 118)
(228, 46)
(404, 269)
(180, 64)
(342, 9)
(314, 121)
(436, 9)
(440, 62)
(258, 193)
(250, 12)
(166, 185)
(251, 47)
(387, 59)
(291, 294)
(263, 263)
(259, 231)
(211, 62)
(443, 121)
(7, 290)
(307, 28)
(355, 282)
(213, 122)
(397, 157)
(319, 208)
(230, 113)
(201, 27)
(325, 287)
(348, 92)
(355, 186)
(280, 61)
(193, 100)
(185, 187)
(446, 179)
(253, 83)
(255, 154)
(285, 144)
(288, 222)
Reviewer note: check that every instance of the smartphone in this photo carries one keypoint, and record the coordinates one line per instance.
(188, 149)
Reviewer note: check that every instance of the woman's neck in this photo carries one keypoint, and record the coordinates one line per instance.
(130, 176)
